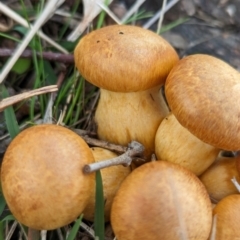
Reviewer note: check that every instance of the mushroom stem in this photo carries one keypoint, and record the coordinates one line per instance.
(135, 149)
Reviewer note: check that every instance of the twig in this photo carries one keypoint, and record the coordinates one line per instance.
(50, 56)
(100, 143)
(6, 102)
(135, 149)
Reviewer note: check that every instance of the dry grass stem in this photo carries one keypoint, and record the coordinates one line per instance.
(213, 230)
(22, 96)
(236, 184)
(11, 231)
(88, 229)
(91, 10)
(49, 9)
(17, 18)
(152, 20)
(48, 116)
(50, 56)
(109, 12)
(44, 235)
(60, 235)
(132, 10)
(161, 17)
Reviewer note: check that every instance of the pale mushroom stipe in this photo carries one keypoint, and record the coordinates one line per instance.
(176, 144)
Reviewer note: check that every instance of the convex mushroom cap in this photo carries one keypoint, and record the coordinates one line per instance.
(203, 93)
(218, 178)
(42, 176)
(130, 65)
(226, 218)
(161, 200)
(124, 58)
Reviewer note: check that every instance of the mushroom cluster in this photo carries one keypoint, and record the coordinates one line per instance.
(187, 127)
(187, 131)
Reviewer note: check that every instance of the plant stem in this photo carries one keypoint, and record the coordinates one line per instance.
(135, 149)
(50, 56)
(100, 143)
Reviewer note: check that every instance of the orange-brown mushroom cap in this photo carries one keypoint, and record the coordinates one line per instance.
(124, 58)
(203, 92)
(42, 177)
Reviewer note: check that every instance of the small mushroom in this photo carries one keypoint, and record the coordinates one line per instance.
(161, 200)
(176, 144)
(218, 178)
(203, 92)
(226, 218)
(130, 65)
(42, 176)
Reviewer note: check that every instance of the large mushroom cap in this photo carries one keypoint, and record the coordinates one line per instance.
(203, 92)
(124, 58)
(161, 200)
(42, 178)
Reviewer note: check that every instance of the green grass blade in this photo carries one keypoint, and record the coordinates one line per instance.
(8, 218)
(99, 208)
(9, 37)
(76, 98)
(2, 231)
(174, 24)
(9, 115)
(74, 231)
(102, 16)
(76, 4)
(2, 203)
(138, 16)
